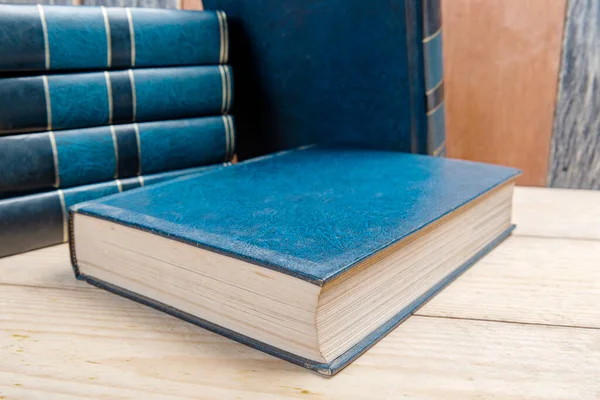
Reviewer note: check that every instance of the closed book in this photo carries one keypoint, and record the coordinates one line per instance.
(39, 220)
(61, 159)
(44, 38)
(54, 102)
(311, 255)
(364, 73)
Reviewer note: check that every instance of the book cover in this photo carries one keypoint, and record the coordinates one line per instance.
(54, 102)
(43, 161)
(38, 220)
(43, 38)
(337, 72)
(313, 215)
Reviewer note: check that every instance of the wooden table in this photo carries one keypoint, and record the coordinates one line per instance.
(524, 322)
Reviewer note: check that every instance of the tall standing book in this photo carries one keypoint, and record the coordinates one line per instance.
(41, 38)
(366, 73)
(312, 255)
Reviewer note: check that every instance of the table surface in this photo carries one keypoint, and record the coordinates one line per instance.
(524, 322)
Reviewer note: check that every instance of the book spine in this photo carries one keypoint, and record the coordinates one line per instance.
(51, 160)
(40, 220)
(53, 102)
(43, 38)
(434, 77)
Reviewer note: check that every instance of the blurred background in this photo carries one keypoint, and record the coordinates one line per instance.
(521, 81)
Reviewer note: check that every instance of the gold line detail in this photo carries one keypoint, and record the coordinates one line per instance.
(231, 137)
(110, 99)
(221, 36)
(226, 40)
(45, 32)
(55, 157)
(223, 88)
(433, 89)
(119, 186)
(434, 109)
(141, 179)
(226, 126)
(228, 85)
(131, 35)
(432, 36)
(48, 103)
(63, 206)
(133, 95)
(116, 146)
(139, 147)
(439, 149)
(108, 40)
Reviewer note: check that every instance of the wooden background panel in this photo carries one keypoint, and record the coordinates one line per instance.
(501, 63)
(575, 159)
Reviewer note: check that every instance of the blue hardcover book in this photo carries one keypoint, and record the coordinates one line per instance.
(366, 73)
(311, 255)
(62, 159)
(39, 220)
(53, 102)
(43, 38)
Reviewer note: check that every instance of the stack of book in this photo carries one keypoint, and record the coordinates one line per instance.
(95, 101)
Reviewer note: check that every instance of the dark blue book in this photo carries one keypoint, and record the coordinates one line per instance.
(62, 159)
(39, 220)
(54, 102)
(311, 255)
(366, 73)
(42, 38)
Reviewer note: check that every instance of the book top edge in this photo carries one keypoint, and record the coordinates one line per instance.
(311, 213)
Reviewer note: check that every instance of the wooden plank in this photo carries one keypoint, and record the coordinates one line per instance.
(84, 344)
(191, 5)
(557, 213)
(501, 63)
(575, 158)
(49, 267)
(528, 280)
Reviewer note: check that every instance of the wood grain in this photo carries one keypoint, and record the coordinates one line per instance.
(528, 280)
(501, 63)
(557, 213)
(192, 5)
(91, 344)
(575, 159)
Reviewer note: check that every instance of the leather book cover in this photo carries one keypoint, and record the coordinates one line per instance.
(312, 214)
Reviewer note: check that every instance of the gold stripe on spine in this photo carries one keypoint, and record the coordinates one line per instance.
(131, 35)
(116, 146)
(223, 88)
(226, 126)
(45, 32)
(228, 85)
(226, 38)
(222, 37)
(439, 149)
(432, 36)
(139, 147)
(141, 179)
(55, 157)
(119, 186)
(133, 95)
(433, 89)
(110, 97)
(108, 40)
(63, 207)
(433, 110)
(48, 103)
(231, 137)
